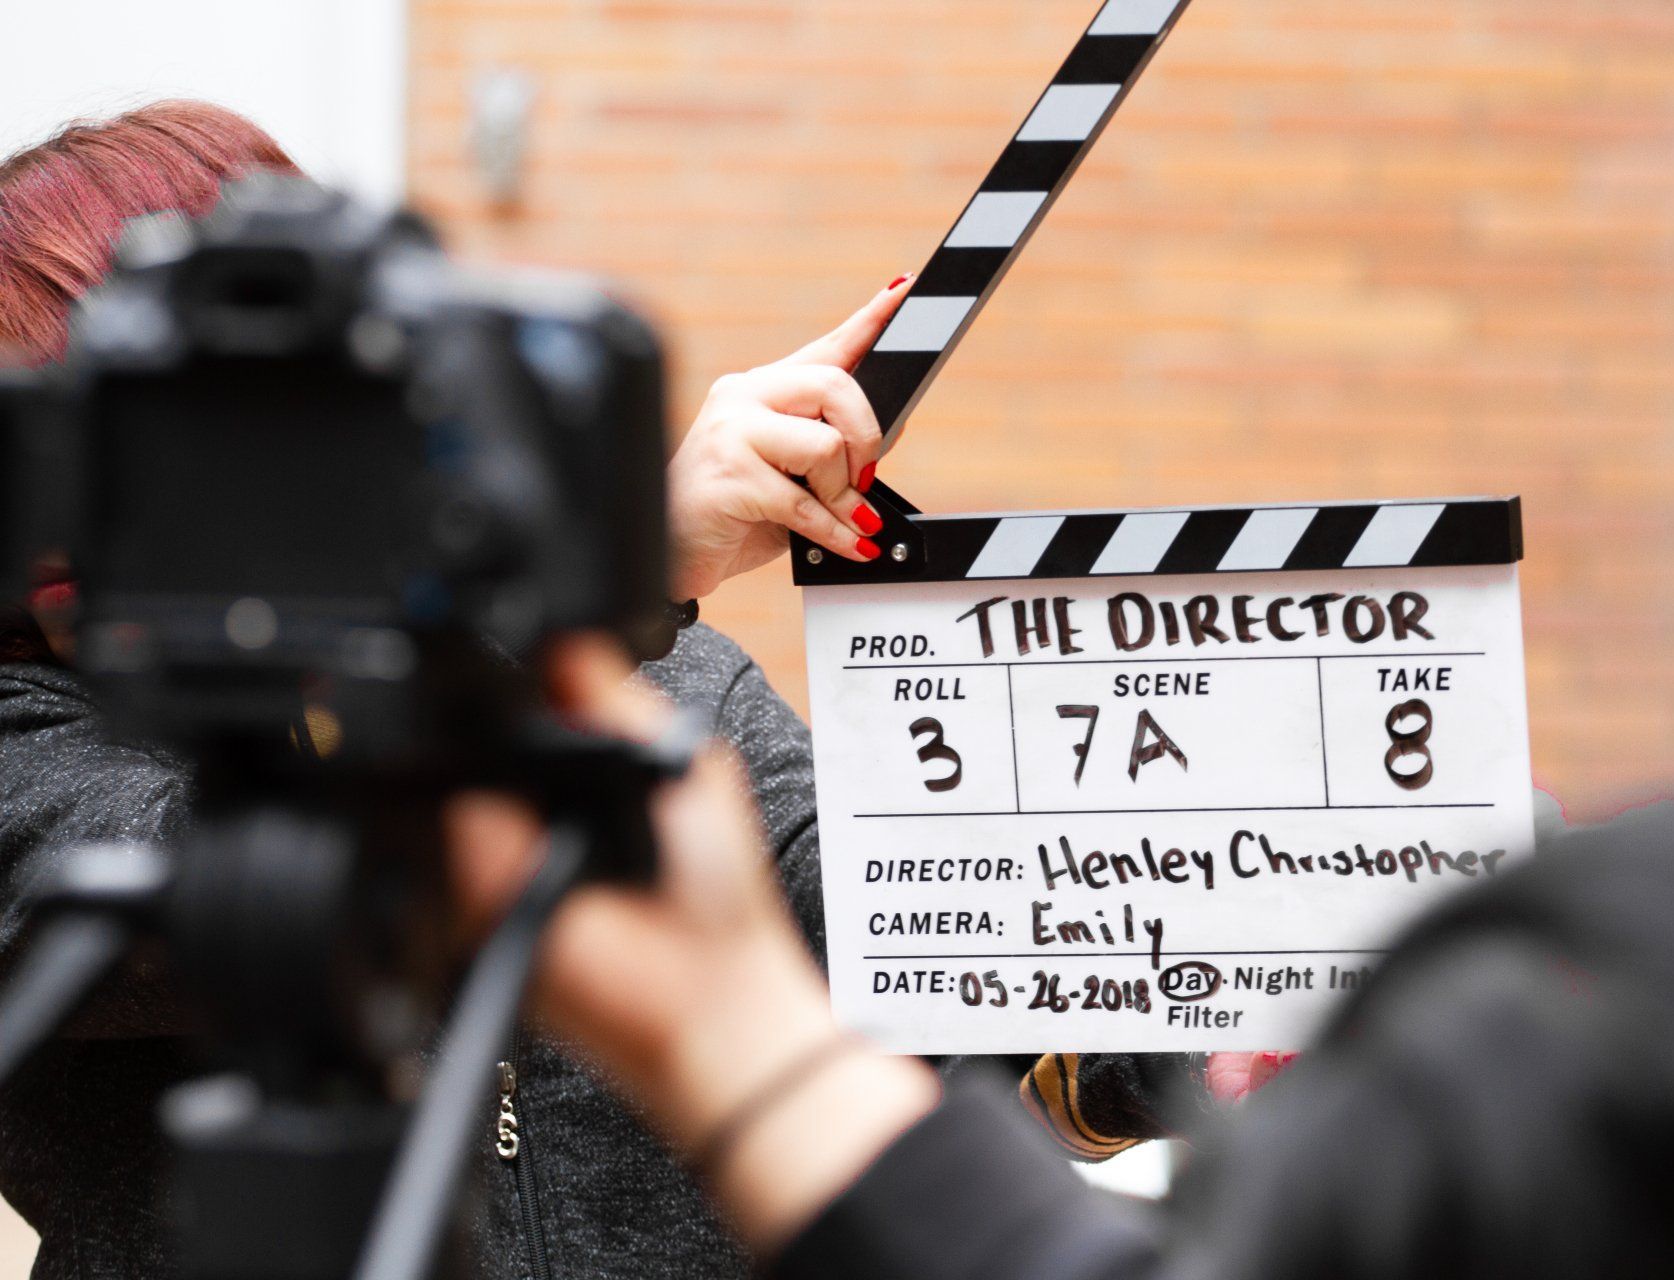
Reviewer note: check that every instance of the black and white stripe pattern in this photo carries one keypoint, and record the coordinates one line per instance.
(1461, 531)
(1010, 204)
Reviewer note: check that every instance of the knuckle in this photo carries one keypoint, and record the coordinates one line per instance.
(712, 434)
(730, 466)
(806, 511)
(829, 445)
(832, 380)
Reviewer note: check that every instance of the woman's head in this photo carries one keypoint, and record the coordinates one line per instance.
(63, 203)
(62, 206)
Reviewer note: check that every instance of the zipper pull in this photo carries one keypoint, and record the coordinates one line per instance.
(505, 1124)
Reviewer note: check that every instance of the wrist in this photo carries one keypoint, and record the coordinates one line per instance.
(806, 1146)
(767, 1006)
(690, 573)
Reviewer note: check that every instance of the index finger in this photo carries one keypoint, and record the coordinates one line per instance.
(848, 342)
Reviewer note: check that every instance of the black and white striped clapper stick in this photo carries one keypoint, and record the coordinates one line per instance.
(1201, 540)
(1010, 204)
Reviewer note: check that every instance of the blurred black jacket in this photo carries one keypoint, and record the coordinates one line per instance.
(1497, 1102)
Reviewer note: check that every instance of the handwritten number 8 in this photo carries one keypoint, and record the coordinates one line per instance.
(937, 749)
(1412, 743)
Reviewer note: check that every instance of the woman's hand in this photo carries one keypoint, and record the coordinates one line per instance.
(694, 993)
(732, 494)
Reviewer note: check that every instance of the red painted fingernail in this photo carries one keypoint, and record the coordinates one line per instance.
(898, 282)
(868, 548)
(55, 595)
(868, 473)
(866, 519)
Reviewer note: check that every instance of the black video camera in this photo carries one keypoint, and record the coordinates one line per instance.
(326, 498)
(315, 480)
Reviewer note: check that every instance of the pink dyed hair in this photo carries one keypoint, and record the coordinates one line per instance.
(63, 203)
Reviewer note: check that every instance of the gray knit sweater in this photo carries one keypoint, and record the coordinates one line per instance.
(79, 1153)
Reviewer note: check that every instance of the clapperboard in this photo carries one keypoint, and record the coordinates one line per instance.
(1143, 780)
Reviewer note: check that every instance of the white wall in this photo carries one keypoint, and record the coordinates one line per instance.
(325, 77)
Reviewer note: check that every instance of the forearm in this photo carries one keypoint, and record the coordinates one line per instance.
(969, 1192)
(863, 1168)
(781, 1111)
(806, 1151)
(711, 673)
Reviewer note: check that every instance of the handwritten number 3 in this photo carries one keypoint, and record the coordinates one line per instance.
(1412, 743)
(937, 749)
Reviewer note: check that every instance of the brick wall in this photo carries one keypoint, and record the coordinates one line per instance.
(1330, 249)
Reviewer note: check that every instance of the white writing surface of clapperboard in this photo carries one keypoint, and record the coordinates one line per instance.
(1159, 779)
(1143, 780)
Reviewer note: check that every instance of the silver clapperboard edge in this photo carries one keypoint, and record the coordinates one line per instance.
(945, 301)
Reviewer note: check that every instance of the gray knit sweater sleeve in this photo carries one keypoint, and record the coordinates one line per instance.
(711, 675)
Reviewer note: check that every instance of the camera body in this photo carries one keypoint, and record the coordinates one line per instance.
(314, 479)
(326, 498)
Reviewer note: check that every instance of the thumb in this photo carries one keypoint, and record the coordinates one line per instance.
(849, 341)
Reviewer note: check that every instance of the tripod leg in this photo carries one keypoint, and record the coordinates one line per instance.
(418, 1201)
(69, 957)
(88, 911)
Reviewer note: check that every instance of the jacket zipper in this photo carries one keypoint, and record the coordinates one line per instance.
(512, 1146)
